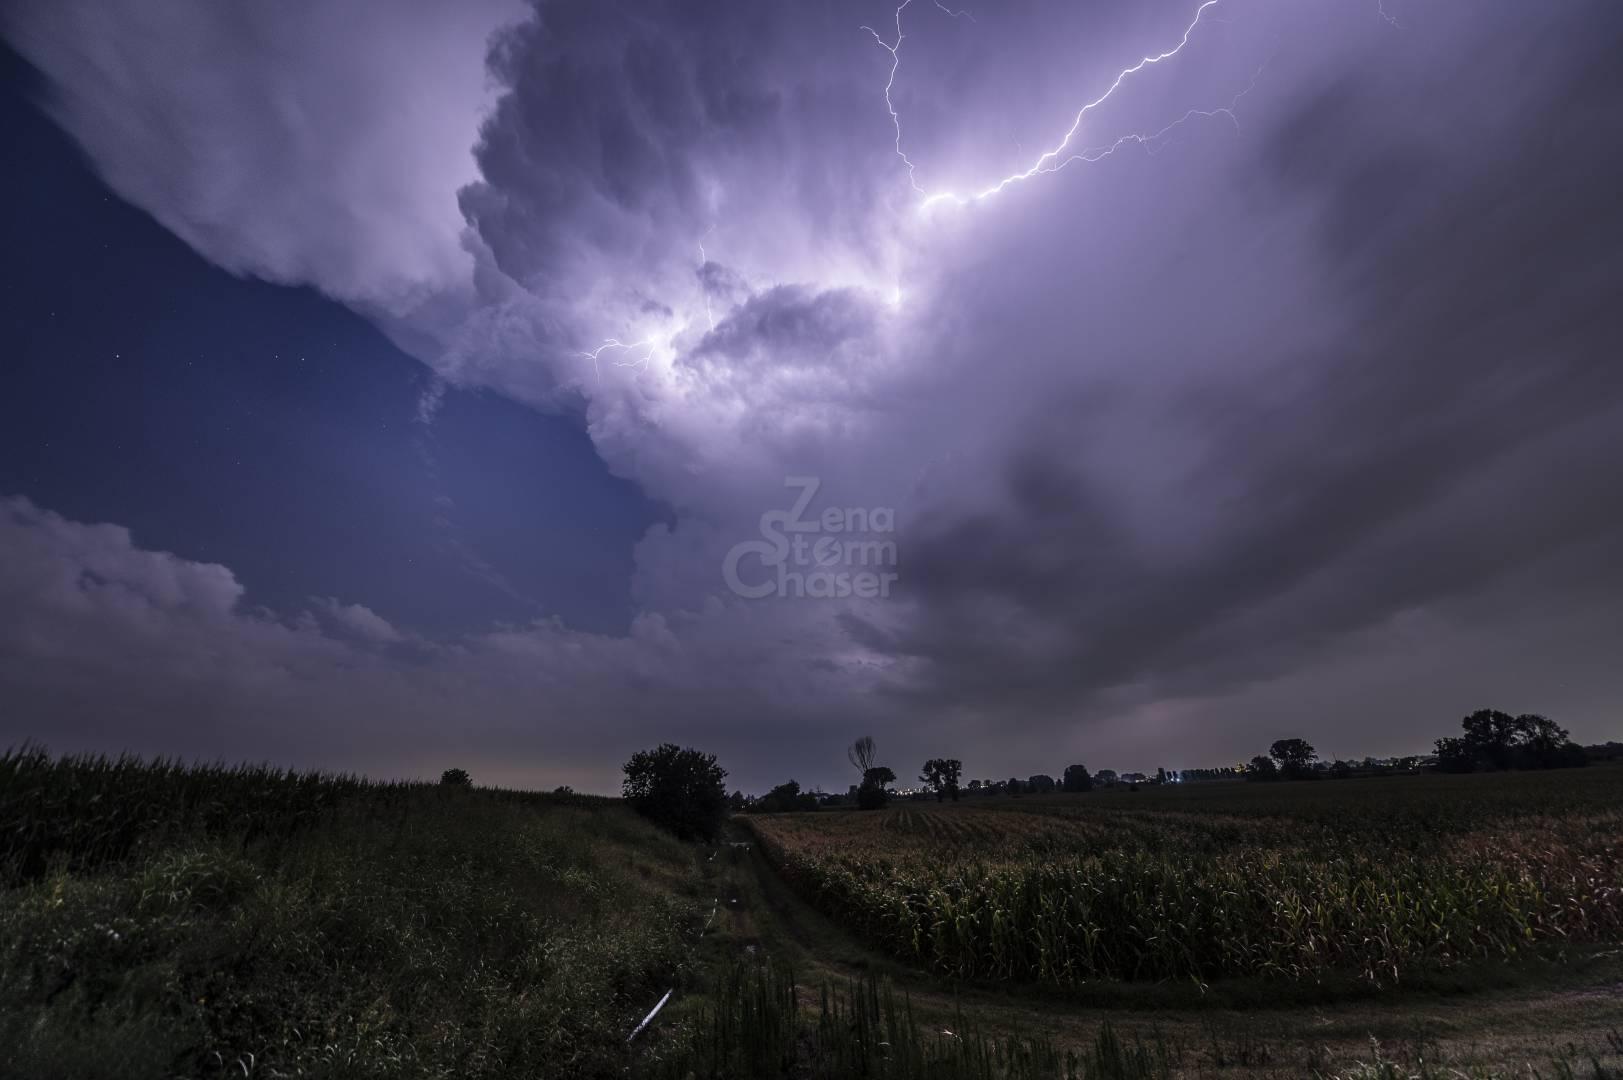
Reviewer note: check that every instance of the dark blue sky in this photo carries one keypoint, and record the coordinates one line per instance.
(270, 429)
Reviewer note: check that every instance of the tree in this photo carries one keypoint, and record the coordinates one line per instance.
(1015, 786)
(1502, 741)
(1295, 757)
(1106, 777)
(941, 776)
(1544, 744)
(1077, 779)
(1040, 784)
(1492, 735)
(1262, 767)
(456, 778)
(678, 789)
(785, 798)
(1226, 772)
(1455, 756)
(871, 795)
(862, 754)
(874, 792)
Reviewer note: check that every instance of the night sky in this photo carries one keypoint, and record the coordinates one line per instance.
(397, 385)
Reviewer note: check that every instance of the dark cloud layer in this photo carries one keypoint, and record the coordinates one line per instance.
(1468, 427)
(1469, 424)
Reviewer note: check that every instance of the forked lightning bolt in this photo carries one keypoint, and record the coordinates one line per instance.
(1149, 141)
(1053, 160)
(650, 344)
(1057, 158)
(895, 50)
(1061, 155)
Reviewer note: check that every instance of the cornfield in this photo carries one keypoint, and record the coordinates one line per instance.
(1373, 879)
(160, 920)
(78, 812)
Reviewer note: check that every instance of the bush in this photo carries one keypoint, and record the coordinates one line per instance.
(679, 790)
(785, 798)
(456, 778)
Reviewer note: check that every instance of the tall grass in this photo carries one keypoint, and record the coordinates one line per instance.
(163, 922)
(84, 811)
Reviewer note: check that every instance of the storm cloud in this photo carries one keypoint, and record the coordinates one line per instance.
(1290, 407)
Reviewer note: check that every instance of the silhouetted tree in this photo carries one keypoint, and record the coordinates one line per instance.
(1610, 750)
(1541, 743)
(875, 790)
(1106, 777)
(941, 776)
(871, 794)
(1491, 735)
(678, 789)
(785, 798)
(1226, 772)
(1262, 767)
(1456, 756)
(1501, 741)
(1015, 786)
(1077, 778)
(456, 778)
(1295, 758)
(862, 754)
(1341, 770)
(1041, 784)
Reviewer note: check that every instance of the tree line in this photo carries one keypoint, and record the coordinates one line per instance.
(1491, 740)
(940, 777)
(682, 789)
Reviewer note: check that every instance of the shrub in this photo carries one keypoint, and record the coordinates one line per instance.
(678, 789)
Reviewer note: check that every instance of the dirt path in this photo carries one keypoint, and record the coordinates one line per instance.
(1574, 1012)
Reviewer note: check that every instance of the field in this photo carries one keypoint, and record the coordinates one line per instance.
(1379, 881)
(163, 921)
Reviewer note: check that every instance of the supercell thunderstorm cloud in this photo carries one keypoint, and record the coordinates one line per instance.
(1215, 373)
